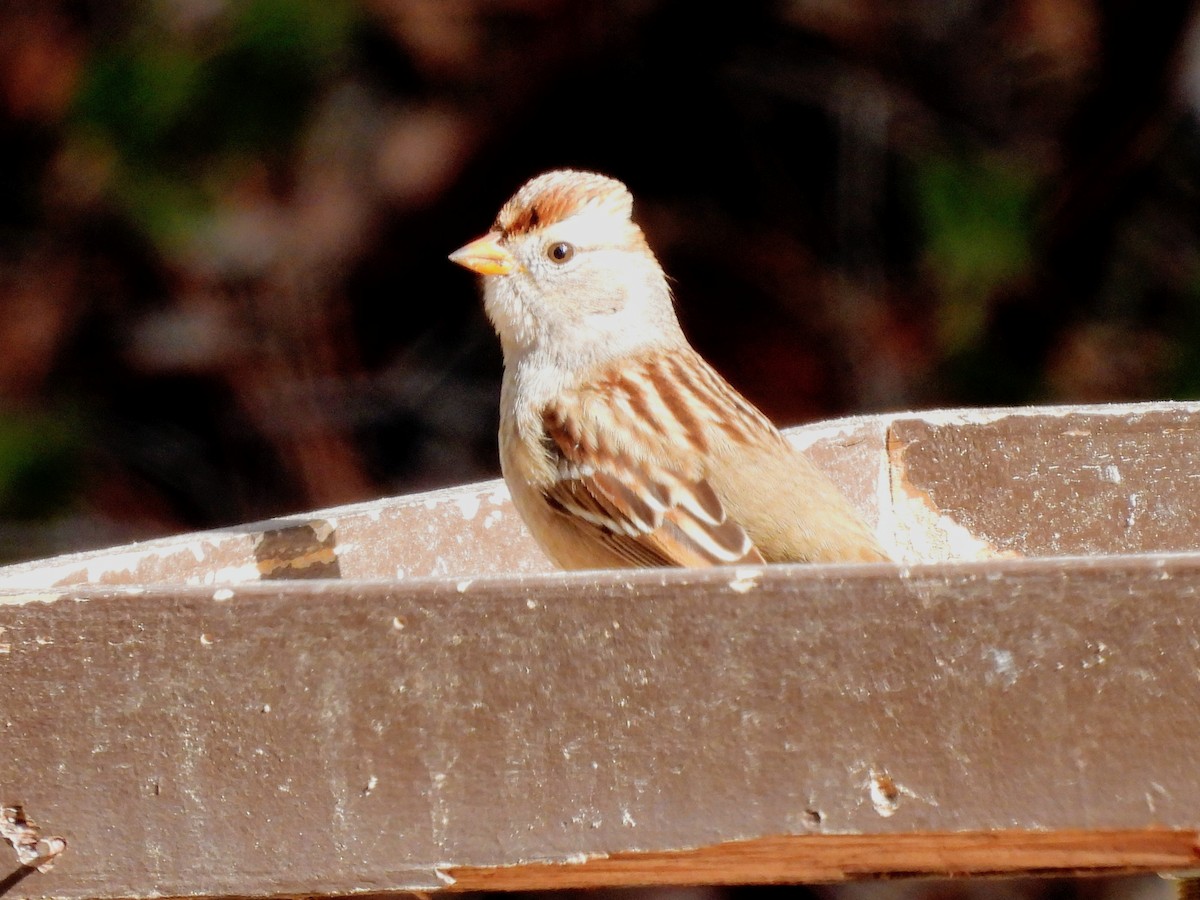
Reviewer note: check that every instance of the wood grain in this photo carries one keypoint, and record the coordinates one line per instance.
(791, 859)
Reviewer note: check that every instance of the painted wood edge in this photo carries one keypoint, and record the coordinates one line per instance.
(238, 541)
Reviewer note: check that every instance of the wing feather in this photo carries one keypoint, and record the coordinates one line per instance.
(648, 514)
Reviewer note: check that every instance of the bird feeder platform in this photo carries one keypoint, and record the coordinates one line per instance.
(400, 695)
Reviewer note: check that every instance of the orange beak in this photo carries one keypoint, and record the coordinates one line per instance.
(485, 256)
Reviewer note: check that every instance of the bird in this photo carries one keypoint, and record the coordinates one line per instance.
(620, 445)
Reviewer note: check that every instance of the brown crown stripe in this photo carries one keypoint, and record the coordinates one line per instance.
(553, 205)
(518, 222)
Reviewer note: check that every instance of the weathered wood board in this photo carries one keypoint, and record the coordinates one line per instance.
(201, 716)
(944, 485)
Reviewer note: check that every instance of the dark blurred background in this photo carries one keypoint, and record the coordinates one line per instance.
(224, 291)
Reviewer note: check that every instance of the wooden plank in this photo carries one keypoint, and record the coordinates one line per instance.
(957, 484)
(1077, 480)
(782, 723)
(239, 713)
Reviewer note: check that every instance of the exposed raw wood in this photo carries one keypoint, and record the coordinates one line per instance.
(806, 858)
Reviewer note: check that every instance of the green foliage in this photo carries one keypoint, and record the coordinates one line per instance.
(174, 113)
(39, 464)
(976, 215)
(1185, 342)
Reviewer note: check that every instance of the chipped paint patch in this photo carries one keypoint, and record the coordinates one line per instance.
(304, 550)
(468, 505)
(919, 526)
(322, 529)
(884, 794)
(578, 859)
(744, 580)
(990, 414)
(26, 576)
(1004, 667)
(23, 597)
(249, 572)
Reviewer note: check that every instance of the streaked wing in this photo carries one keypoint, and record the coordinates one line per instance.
(646, 514)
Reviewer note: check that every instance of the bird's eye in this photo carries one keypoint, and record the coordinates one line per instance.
(560, 252)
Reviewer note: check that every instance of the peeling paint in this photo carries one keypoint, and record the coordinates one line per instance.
(23, 597)
(910, 522)
(323, 529)
(917, 524)
(1004, 669)
(884, 793)
(468, 505)
(744, 580)
(246, 573)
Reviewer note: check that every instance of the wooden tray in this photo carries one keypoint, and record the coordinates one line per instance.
(400, 696)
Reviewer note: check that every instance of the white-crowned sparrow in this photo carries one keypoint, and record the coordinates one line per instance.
(620, 445)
